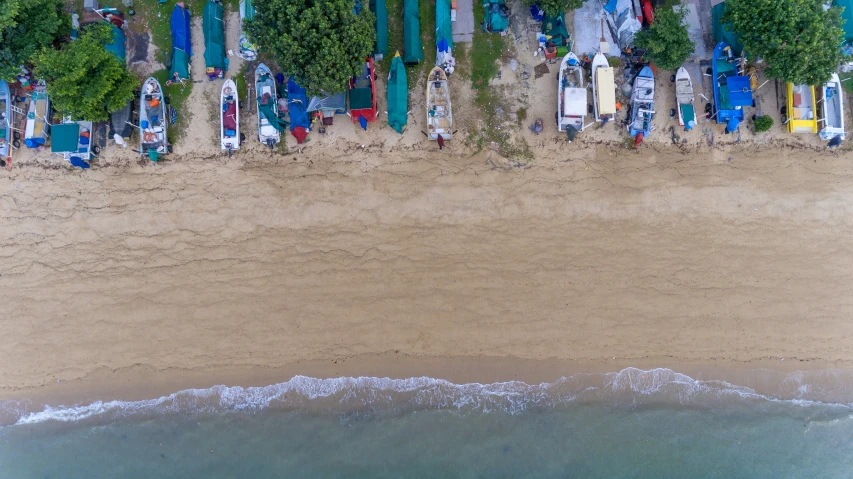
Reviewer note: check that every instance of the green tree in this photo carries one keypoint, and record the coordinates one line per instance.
(555, 7)
(27, 26)
(322, 43)
(666, 41)
(85, 80)
(797, 38)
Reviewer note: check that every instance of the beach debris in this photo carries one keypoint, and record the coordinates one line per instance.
(540, 70)
(537, 126)
(513, 64)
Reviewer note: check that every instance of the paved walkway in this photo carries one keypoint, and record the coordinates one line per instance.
(463, 27)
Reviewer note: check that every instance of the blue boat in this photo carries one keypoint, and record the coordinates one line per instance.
(732, 91)
(642, 99)
(6, 132)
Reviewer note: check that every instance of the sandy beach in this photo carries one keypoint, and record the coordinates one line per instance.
(593, 253)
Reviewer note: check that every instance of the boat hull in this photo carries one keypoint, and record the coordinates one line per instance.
(439, 113)
(265, 84)
(832, 105)
(153, 122)
(571, 94)
(229, 116)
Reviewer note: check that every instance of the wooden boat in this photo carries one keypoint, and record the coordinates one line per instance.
(265, 92)
(684, 98)
(7, 132)
(229, 117)
(831, 100)
(571, 94)
(37, 127)
(642, 104)
(603, 88)
(153, 121)
(439, 112)
(801, 111)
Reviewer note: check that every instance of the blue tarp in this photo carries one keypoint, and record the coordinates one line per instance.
(740, 91)
(297, 99)
(181, 30)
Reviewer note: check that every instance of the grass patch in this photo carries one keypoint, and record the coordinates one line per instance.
(846, 81)
(154, 17)
(488, 48)
(240, 80)
(177, 95)
(426, 8)
(395, 35)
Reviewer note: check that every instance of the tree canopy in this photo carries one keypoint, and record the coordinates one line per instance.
(27, 26)
(555, 7)
(321, 43)
(83, 78)
(798, 39)
(666, 41)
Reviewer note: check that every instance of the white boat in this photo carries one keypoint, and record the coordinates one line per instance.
(153, 122)
(267, 98)
(831, 99)
(37, 127)
(439, 113)
(684, 98)
(73, 140)
(603, 88)
(229, 117)
(571, 94)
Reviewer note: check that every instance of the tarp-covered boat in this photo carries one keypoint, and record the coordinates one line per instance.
(38, 127)
(571, 94)
(443, 33)
(73, 141)
(362, 94)
(832, 104)
(412, 48)
(603, 88)
(801, 109)
(380, 9)
(496, 16)
(270, 124)
(248, 50)
(153, 122)
(297, 101)
(182, 47)
(229, 117)
(213, 26)
(439, 111)
(398, 95)
(120, 119)
(684, 99)
(642, 104)
(732, 91)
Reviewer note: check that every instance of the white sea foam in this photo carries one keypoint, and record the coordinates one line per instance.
(630, 387)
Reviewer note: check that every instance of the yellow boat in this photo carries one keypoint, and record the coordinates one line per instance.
(801, 111)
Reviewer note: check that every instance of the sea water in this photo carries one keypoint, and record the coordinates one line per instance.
(632, 423)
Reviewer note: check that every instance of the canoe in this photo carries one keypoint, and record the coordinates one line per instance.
(270, 125)
(603, 88)
(571, 94)
(832, 106)
(439, 112)
(684, 98)
(732, 91)
(37, 127)
(153, 122)
(801, 111)
(642, 103)
(229, 117)
(397, 91)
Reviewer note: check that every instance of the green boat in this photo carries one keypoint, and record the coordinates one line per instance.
(398, 95)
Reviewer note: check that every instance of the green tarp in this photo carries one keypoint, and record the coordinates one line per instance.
(555, 28)
(496, 16)
(117, 47)
(721, 32)
(268, 111)
(64, 138)
(443, 26)
(214, 35)
(360, 98)
(380, 9)
(846, 17)
(180, 64)
(413, 50)
(398, 95)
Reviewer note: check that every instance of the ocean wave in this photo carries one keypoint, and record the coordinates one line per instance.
(375, 396)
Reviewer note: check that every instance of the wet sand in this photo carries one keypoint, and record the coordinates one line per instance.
(592, 254)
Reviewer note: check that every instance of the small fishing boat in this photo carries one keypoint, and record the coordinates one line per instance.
(832, 104)
(269, 124)
(642, 108)
(229, 117)
(74, 141)
(571, 94)
(603, 88)
(362, 94)
(153, 121)
(732, 89)
(37, 127)
(684, 98)
(439, 112)
(7, 132)
(801, 111)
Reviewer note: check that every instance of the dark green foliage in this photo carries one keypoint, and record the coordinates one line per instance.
(555, 7)
(27, 26)
(322, 43)
(85, 80)
(666, 41)
(763, 123)
(798, 39)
